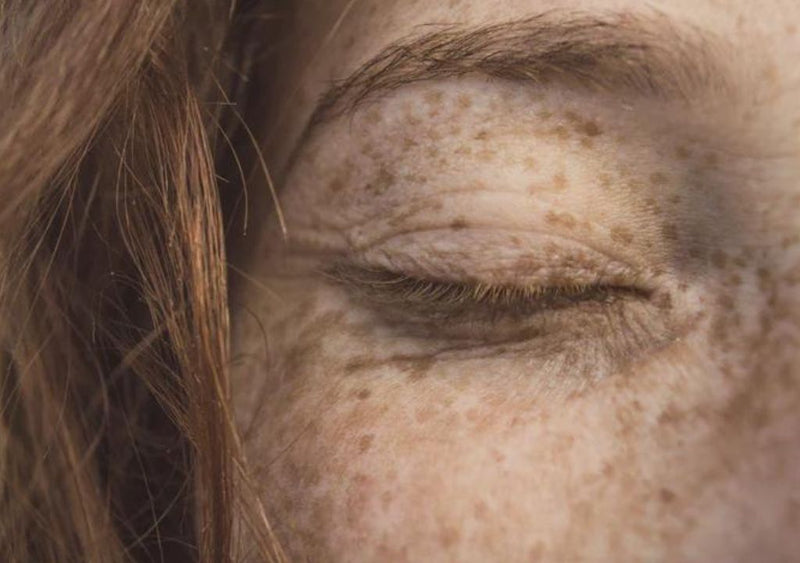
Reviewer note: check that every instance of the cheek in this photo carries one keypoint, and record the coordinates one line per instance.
(369, 445)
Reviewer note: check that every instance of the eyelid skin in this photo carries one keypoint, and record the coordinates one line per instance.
(502, 257)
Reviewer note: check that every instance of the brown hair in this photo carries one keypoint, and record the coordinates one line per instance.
(121, 155)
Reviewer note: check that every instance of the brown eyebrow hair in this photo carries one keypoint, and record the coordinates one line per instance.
(647, 55)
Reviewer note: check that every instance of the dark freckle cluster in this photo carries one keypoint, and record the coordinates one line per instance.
(564, 219)
(585, 127)
(383, 181)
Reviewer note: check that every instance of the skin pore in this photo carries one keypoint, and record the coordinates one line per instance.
(523, 317)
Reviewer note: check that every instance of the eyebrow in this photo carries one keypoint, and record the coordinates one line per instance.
(646, 55)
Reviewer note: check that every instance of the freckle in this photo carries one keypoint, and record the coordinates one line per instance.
(365, 443)
(666, 496)
(455, 130)
(449, 536)
(590, 129)
(789, 241)
(481, 135)
(670, 232)
(563, 219)
(420, 368)
(336, 185)
(587, 143)
(605, 181)
(560, 131)
(432, 151)
(434, 97)
(364, 394)
(658, 179)
(711, 159)
(719, 259)
(663, 302)
(464, 101)
(545, 114)
(682, 152)
(374, 116)
(459, 223)
(559, 182)
(622, 235)
(791, 29)
(361, 479)
(382, 182)
(770, 74)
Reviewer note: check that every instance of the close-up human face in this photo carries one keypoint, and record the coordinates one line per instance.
(532, 290)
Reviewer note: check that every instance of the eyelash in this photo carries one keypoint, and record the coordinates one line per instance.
(442, 304)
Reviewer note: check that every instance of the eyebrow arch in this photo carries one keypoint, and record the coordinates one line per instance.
(646, 55)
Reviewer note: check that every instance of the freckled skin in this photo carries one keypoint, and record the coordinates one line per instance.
(373, 443)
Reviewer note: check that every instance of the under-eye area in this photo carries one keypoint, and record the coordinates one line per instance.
(583, 331)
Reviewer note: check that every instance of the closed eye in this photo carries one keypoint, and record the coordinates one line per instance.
(448, 307)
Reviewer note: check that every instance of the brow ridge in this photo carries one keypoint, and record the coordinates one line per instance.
(645, 55)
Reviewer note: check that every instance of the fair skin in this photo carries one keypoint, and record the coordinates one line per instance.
(634, 392)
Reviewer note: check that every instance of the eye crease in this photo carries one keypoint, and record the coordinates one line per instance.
(475, 314)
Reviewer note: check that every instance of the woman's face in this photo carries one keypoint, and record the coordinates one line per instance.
(539, 296)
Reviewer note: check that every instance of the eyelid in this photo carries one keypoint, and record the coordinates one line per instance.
(476, 315)
(390, 287)
(501, 257)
